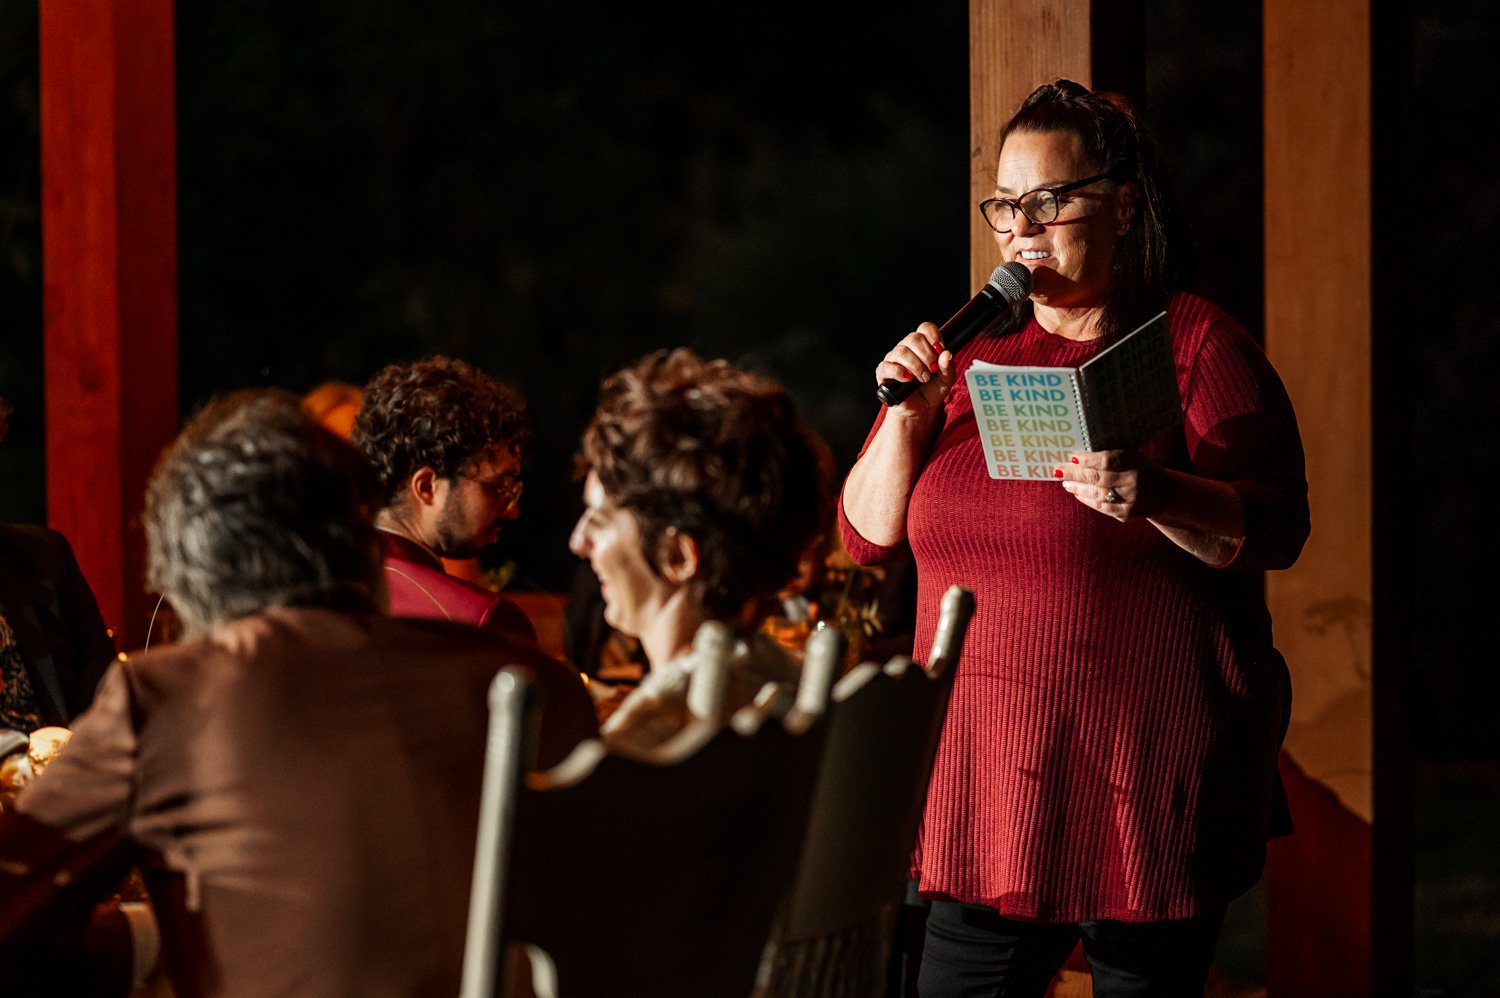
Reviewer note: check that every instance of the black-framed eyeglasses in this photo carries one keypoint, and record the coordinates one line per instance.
(1041, 206)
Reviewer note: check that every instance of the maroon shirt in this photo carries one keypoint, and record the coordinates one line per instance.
(419, 587)
(1110, 746)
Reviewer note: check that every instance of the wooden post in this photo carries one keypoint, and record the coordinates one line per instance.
(1013, 49)
(1339, 897)
(109, 224)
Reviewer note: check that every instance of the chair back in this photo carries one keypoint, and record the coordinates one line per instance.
(831, 937)
(651, 873)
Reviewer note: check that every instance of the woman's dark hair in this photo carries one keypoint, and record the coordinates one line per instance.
(718, 454)
(255, 506)
(1151, 260)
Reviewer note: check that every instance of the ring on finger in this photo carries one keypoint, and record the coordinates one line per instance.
(1112, 496)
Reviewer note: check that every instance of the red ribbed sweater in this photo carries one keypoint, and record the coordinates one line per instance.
(1110, 747)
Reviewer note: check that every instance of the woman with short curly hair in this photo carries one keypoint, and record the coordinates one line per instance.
(702, 489)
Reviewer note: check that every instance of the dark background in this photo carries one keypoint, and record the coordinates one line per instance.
(551, 191)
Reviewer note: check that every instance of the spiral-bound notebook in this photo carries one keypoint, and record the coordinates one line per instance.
(1031, 418)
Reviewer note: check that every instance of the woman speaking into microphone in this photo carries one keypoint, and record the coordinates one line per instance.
(1107, 771)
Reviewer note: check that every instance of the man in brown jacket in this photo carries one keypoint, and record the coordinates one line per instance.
(298, 780)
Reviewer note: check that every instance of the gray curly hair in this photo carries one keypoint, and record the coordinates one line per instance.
(255, 506)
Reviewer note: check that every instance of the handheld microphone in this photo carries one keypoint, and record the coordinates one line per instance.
(1009, 283)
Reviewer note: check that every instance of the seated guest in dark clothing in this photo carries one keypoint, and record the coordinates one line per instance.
(445, 440)
(299, 777)
(54, 646)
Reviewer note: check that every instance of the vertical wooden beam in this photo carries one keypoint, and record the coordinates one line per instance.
(1013, 49)
(1338, 891)
(109, 233)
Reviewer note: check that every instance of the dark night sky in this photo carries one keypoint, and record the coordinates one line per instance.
(552, 190)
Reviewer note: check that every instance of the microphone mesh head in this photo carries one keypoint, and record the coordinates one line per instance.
(1012, 280)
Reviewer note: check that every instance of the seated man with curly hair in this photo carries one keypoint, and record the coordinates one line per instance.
(703, 489)
(445, 440)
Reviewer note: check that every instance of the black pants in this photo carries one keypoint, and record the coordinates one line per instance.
(972, 951)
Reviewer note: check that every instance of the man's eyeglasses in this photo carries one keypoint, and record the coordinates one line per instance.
(1040, 206)
(505, 488)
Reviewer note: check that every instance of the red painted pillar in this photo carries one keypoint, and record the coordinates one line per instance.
(109, 235)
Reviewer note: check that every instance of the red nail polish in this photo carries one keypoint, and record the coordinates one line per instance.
(1056, 472)
(1073, 459)
(934, 369)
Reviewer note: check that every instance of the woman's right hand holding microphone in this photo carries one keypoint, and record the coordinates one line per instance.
(920, 356)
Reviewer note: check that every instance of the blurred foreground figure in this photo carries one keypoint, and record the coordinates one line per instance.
(298, 779)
